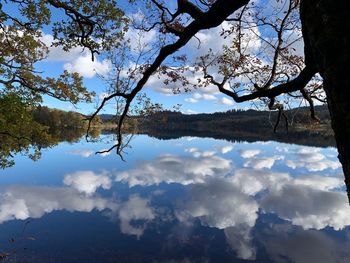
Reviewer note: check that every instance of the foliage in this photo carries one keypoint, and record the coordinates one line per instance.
(25, 129)
(19, 133)
(94, 25)
(54, 118)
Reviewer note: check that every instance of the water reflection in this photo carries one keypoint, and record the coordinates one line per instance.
(211, 203)
(175, 169)
(23, 202)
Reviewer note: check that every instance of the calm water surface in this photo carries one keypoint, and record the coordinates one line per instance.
(184, 200)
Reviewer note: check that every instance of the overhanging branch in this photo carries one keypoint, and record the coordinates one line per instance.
(296, 84)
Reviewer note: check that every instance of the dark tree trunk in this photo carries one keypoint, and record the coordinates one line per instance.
(326, 30)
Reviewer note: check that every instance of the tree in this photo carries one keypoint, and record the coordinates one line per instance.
(89, 24)
(239, 72)
(324, 26)
(19, 133)
(92, 25)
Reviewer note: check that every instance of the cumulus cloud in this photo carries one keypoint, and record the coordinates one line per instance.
(263, 162)
(135, 208)
(208, 40)
(57, 53)
(191, 100)
(226, 149)
(320, 182)
(226, 101)
(198, 153)
(88, 68)
(22, 202)
(221, 204)
(309, 207)
(82, 152)
(252, 181)
(206, 172)
(76, 60)
(198, 96)
(175, 169)
(87, 181)
(313, 166)
(156, 82)
(249, 153)
(311, 159)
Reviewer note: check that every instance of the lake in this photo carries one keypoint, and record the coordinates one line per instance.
(180, 200)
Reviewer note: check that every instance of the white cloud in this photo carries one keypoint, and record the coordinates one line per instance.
(263, 162)
(209, 97)
(192, 150)
(313, 166)
(135, 208)
(189, 112)
(175, 169)
(320, 182)
(57, 53)
(198, 96)
(252, 181)
(226, 101)
(156, 82)
(22, 202)
(103, 95)
(226, 149)
(249, 153)
(191, 100)
(221, 204)
(83, 152)
(88, 68)
(87, 181)
(311, 159)
(309, 207)
(204, 96)
(209, 40)
(198, 153)
(76, 59)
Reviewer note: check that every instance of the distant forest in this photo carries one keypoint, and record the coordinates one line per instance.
(42, 127)
(236, 125)
(249, 120)
(55, 118)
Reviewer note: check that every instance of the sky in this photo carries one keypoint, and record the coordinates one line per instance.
(196, 101)
(206, 100)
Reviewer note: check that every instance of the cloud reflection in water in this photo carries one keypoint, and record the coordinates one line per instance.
(221, 195)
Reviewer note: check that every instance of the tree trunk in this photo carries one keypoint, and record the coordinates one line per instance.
(326, 30)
